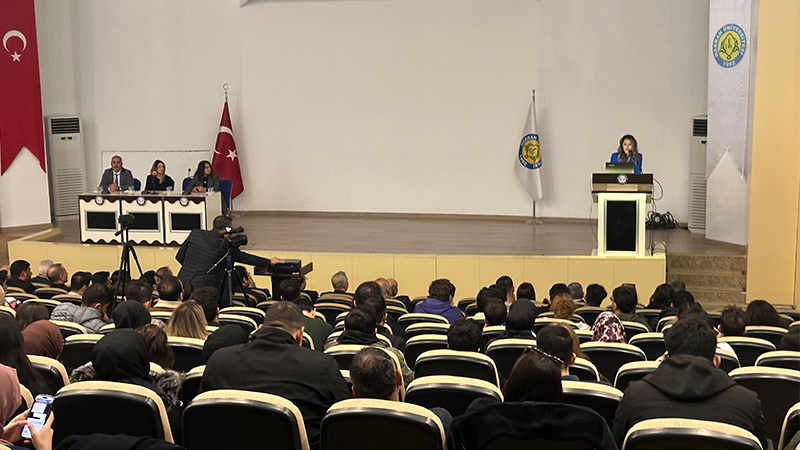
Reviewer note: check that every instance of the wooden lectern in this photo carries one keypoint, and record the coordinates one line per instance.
(621, 212)
(290, 268)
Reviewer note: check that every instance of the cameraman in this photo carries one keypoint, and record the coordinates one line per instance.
(202, 249)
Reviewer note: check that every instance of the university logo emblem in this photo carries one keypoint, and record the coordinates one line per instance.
(729, 45)
(529, 154)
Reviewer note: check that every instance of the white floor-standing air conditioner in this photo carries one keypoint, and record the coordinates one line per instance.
(697, 175)
(66, 162)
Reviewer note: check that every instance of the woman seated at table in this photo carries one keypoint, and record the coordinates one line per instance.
(628, 152)
(204, 178)
(158, 180)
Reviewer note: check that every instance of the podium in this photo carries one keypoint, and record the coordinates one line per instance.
(290, 268)
(621, 212)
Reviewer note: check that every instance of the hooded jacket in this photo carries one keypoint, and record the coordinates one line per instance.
(441, 308)
(689, 387)
(355, 337)
(86, 316)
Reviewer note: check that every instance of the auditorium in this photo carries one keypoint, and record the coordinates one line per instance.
(433, 224)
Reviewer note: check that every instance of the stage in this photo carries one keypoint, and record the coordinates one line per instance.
(472, 251)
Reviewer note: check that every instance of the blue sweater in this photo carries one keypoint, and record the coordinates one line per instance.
(438, 307)
(637, 168)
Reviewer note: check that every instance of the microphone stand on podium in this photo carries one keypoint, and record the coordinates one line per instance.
(289, 268)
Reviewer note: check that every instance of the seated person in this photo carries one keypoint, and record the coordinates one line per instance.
(440, 301)
(732, 321)
(519, 323)
(628, 152)
(43, 338)
(41, 276)
(160, 274)
(160, 351)
(204, 179)
(760, 312)
(486, 294)
(608, 328)
(116, 178)
(393, 291)
(378, 306)
(130, 314)
(102, 277)
(563, 306)
(188, 321)
(623, 302)
(21, 275)
(495, 312)
(525, 290)
(208, 299)
(170, 294)
(576, 292)
(57, 276)
(507, 285)
(465, 335)
(313, 295)
(340, 284)
(248, 284)
(158, 180)
(319, 330)
(92, 312)
(688, 384)
(595, 294)
(30, 312)
(78, 283)
(556, 341)
(226, 336)
(275, 363)
(372, 290)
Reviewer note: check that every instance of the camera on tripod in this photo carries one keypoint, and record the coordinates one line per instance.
(229, 241)
(126, 220)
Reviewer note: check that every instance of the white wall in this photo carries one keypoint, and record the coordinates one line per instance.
(387, 106)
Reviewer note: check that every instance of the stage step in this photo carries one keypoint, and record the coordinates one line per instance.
(715, 281)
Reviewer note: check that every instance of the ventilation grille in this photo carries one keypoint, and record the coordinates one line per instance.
(65, 125)
(697, 213)
(68, 185)
(700, 127)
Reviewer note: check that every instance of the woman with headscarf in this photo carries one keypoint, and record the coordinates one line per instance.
(608, 328)
(519, 322)
(12, 354)
(43, 338)
(10, 402)
(130, 314)
(30, 312)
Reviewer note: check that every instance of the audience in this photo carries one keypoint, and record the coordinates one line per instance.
(43, 338)
(576, 342)
(623, 302)
(159, 350)
(226, 336)
(377, 305)
(170, 294)
(130, 314)
(558, 288)
(732, 321)
(141, 292)
(563, 307)
(30, 312)
(519, 323)
(608, 328)
(188, 321)
(78, 283)
(484, 296)
(791, 340)
(160, 274)
(678, 286)
(21, 276)
(536, 377)
(57, 276)
(10, 402)
(275, 363)
(576, 291)
(662, 299)
(688, 384)
(340, 284)
(97, 299)
(318, 330)
(41, 273)
(595, 294)
(102, 277)
(495, 312)
(525, 290)
(312, 295)
(248, 284)
(507, 285)
(12, 354)
(760, 312)
(465, 335)
(440, 301)
(208, 299)
(556, 341)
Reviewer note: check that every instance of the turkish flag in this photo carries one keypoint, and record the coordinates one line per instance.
(226, 160)
(20, 93)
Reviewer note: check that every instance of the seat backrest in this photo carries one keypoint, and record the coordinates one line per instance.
(748, 349)
(105, 329)
(248, 418)
(109, 408)
(69, 328)
(307, 341)
(728, 360)
(772, 334)
(8, 311)
(137, 185)
(633, 371)
(344, 353)
(185, 183)
(27, 397)
(778, 389)
(78, 350)
(666, 320)
(254, 313)
(589, 313)
(610, 356)
(456, 363)
(787, 359)
(190, 386)
(330, 310)
(506, 352)
(416, 329)
(584, 335)
(454, 394)
(49, 304)
(412, 318)
(791, 425)
(46, 293)
(542, 322)
(188, 352)
(163, 316)
(596, 396)
(464, 302)
(652, 344)
(247, 324)
(417, 300)
(378, 422)
(584, 370)
(334, 297)
(491, 332)
(395, 312)
(53, 373)
(633, 328)
(225, 188)
(689, 433)
(421, 344)
(67, 299)
(471, 310)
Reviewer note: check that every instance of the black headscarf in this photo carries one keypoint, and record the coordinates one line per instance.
(519, 322)
(122, 356)
(130, 314)
(225, 336)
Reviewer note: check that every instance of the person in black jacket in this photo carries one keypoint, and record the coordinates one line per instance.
(275, 363)
(202, 249)
(689, 385)
(21, 275)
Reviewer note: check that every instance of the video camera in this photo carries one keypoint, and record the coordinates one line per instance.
(229, 241)
(126, 220)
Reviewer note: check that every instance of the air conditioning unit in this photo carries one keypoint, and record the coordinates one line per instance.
(697, 175)
(66, 163)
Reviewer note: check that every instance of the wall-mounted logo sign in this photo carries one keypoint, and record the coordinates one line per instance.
(729, 45)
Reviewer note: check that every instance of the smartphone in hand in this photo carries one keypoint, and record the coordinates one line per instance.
(39, 413)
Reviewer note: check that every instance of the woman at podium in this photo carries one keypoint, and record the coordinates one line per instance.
(204, 179)
(628, 152)
(158, 180)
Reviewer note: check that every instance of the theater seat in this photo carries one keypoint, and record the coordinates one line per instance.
(247, 324)
(343, 354)
(190, 386)
(464, 302)
(589, 313)
(49, 304)
(596, 396)
(330, 310)
(67, 299)
(748, 349)
(649, 313)
(456, 363)
(540, 323)
(787, 359)
(163, 316)
(53, 373)
(633, 371)
(772, 334)
(330, 341)
(395, 312)
(307, 341)
(778, 389)
(407, 319)
(652, 344)
(584, 370)
(658, 434)
(505, 352)
(105, 329)
(69, 328)
(416, 329)
(421, 344)
(633, 328)
(253, 313)
(8, 311)
(728, 360)
(46, 293)
(610, 356)
(78, 350)
(230, 418)
(583, 335)
(491, 332)
(340, 299)
(451, 393)
(368, 424)
(664, 321)
(791, 425)
(109, 408)
(188, 352)
(27, 397)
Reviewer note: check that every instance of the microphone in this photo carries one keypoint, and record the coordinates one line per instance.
(237, 230)
(154, 173)
(189, 175)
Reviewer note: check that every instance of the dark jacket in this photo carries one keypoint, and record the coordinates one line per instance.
(200, 251)
(211, 181)
(275, 364)
(689, 387)
(38, 279)
(152, 183)
(125, 179)
(26, 286)
(319, 330)
(633, 317)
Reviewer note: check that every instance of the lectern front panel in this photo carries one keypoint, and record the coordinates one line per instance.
(621, 229)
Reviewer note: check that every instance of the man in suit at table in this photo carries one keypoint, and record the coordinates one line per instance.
(116, 178)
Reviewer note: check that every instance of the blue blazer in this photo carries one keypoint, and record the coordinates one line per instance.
(637, 168)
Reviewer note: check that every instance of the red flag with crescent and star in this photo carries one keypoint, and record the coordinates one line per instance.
(226, 160)
(21, 124)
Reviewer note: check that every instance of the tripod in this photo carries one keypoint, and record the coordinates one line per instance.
(226, 298)
(125, 262)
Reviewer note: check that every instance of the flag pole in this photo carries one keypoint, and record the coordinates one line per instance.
(533, 220)
(226, 87)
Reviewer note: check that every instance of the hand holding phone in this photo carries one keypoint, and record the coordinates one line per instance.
(39, 414)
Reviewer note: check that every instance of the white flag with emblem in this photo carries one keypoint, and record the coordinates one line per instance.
(528, 165)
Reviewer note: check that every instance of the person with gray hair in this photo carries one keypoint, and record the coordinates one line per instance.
(575, 291)
(41, 274)
(58, 276)
(385, 287)
(340, 284)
